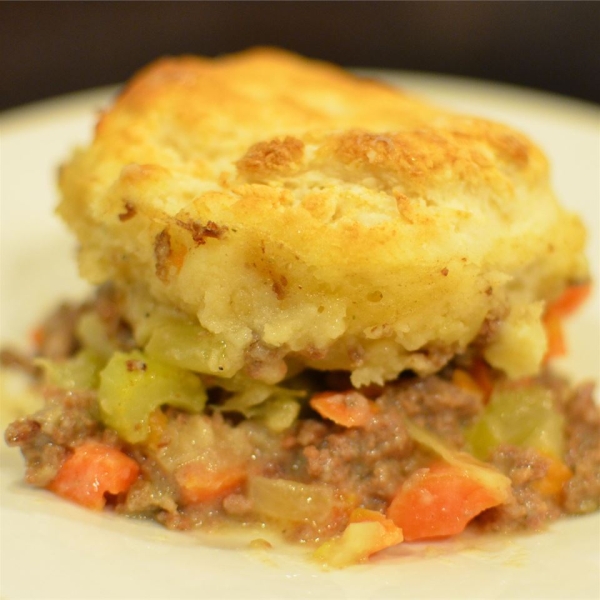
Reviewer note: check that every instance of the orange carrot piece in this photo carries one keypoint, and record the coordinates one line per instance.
(554, 335)
(349, 408)
(439, 501)
(93, 470)
(465, 381)
(38, 336)
(200, 482)
(557, 475)
(481, 373)
(570, 300)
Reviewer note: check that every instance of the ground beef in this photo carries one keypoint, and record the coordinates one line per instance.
(489, 330)
(310, 432)
(13, 359)
(527, 508)
(56, 338)
(371, 462)
(69, 417)
(582, 492)
(175, 520)
(44, 438)
(108, 306)
(156, 491)
(43, 458)
(437, 405)
(368, 463)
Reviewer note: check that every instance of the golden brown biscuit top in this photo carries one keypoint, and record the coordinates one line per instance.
(286, 201)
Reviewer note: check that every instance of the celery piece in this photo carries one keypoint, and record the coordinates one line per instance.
(355, 545)
(79, 372)
(489, 477)
(286, 500)
(182, 343)
(276, 406)
(522, 417)
(278, 414)
(246, 393)
(133, 385)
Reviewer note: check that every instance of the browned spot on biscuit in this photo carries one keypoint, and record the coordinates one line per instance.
(273, 156)
(403, 152)
(513, 147)
(279, 286)
(200, 231)
(404, 206)
(162, 252)
(444, 272)
(135, 365)
(129, 212)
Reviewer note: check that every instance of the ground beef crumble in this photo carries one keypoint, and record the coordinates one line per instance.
(45, 438)
(56, 337)
(372, 462)
(437, 405)
(527, 508)
(582, 492)
(154, 493)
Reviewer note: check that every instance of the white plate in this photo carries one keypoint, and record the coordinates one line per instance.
(51, 549)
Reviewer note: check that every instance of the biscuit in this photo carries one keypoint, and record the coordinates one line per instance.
(301, 216)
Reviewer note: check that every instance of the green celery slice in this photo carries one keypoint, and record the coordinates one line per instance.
(523, 417)
(133, 385)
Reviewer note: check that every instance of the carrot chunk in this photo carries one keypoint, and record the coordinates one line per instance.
(481, 373)
(349, 409)
(570, 300)
(439, 501)
(200, 482)
(554, 335)
(92, 471)
(556, 477)
(467, 382)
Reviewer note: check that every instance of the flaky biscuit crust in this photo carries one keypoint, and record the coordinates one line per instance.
(307, 216)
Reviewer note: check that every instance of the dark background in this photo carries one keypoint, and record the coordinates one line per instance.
(49, 48)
